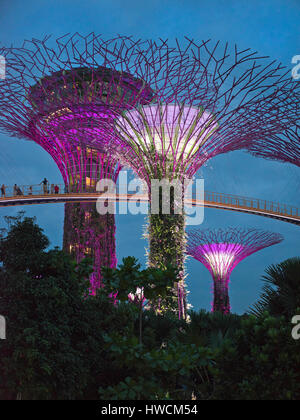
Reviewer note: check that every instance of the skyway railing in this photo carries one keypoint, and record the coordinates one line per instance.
(251, 203)
(34, 194)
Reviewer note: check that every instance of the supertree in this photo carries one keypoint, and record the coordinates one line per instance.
(221, 250)
(208, 100)
(189, 103)
(283, 148)
(64, 96)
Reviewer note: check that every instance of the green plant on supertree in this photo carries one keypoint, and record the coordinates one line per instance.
(207, 100)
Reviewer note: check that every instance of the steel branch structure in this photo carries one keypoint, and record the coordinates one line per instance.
(221, 250)
(64, 96)
(210, 100)
(162, 109)
(283, 148)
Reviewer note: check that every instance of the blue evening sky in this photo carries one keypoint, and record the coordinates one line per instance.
(268, 26)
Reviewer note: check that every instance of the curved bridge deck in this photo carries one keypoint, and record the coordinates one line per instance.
(255, 206)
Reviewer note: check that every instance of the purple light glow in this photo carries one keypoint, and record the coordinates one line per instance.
(221, 250)
(64, 101)
(221, 258)
(68, 98)
(81, 166)
(206, 102)
(87, 234)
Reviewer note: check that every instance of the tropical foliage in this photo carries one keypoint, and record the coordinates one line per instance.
(63, 343)
(260, 363)
(281, 290)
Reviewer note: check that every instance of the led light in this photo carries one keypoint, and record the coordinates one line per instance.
(169, 130)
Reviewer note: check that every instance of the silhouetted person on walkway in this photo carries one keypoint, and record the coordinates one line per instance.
(3, 190)
(19, 191)
(56, 189)
(15, 189)
(45, 185)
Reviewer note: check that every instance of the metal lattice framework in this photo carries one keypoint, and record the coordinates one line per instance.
(64, 96)
(283, 148)
(221, 250)
(219, 99)
(161, 109)
(212, 100)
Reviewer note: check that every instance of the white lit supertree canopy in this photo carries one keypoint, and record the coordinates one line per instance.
(221, 250)
(208, 100)
(161, 109)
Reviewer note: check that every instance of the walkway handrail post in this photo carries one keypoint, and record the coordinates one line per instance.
(216, 199)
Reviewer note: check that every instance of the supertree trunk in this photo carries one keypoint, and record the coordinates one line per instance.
(167, 247)
(191, 102)
(221, 301)
(220, 250)
(88, 234)
(167, 239)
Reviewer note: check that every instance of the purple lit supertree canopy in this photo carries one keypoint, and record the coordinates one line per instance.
(162, 110)
(221, 250)
(208, 100)
(61, 97)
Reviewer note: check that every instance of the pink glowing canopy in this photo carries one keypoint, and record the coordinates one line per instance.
(221, 250)
(207, 100)
(64, 95)
(74, 88)
(221, 258)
